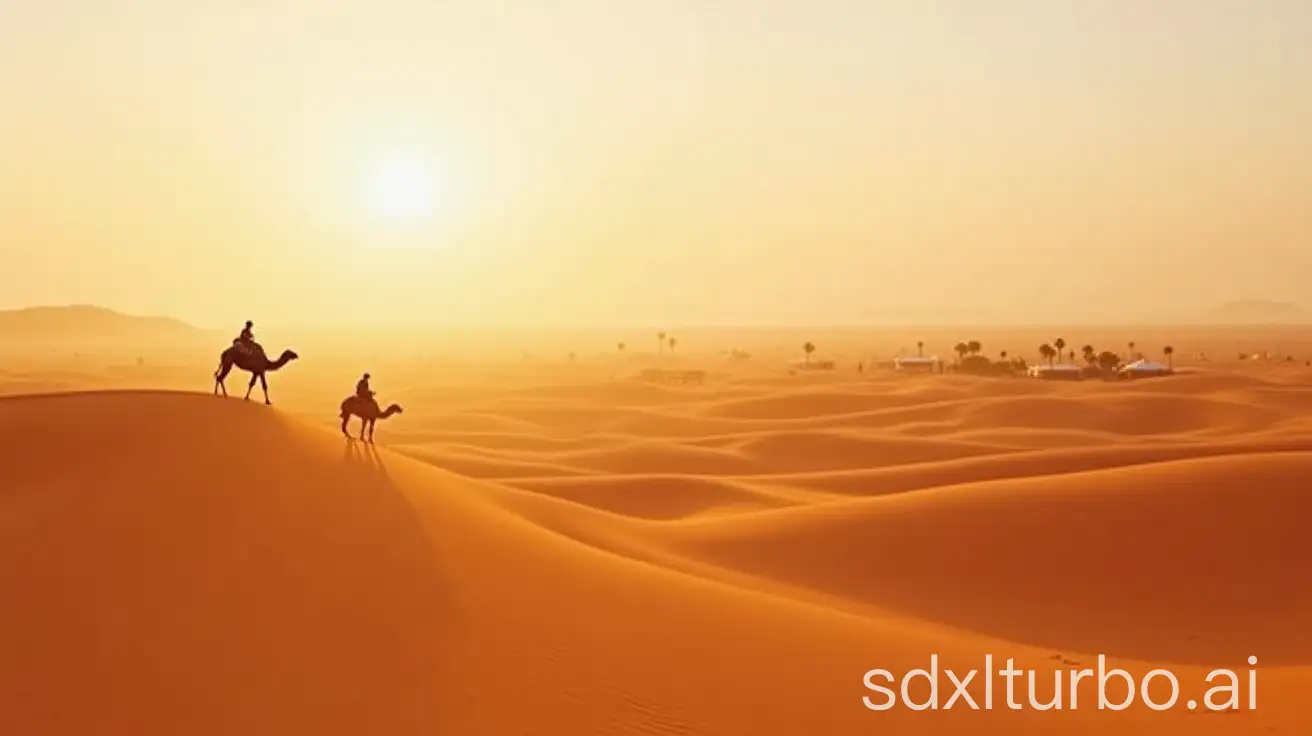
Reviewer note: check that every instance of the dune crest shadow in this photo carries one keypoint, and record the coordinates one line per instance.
(267, 577)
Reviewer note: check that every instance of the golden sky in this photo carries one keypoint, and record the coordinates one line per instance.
(654, 161)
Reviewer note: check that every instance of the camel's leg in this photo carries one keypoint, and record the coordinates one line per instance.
(251, 386)
(219, 377)
(372, 423)
(264, 386)
(346, 418)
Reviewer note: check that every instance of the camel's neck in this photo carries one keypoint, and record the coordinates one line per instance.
(390, 411)
(280, 362)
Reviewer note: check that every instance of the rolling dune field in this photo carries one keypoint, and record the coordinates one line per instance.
(569, 550)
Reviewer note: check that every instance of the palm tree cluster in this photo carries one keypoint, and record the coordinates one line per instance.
(1056, 351)
(1105, 360)
(963, 349)
(1059, 351)
(970, 359)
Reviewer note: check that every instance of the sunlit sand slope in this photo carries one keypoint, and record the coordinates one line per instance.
(174, 563)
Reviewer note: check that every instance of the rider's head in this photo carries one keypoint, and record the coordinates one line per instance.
(250, 323)
(366, 376)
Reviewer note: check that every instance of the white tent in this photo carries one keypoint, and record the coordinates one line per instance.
(1143, 368)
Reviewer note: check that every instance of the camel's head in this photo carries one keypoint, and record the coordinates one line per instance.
(395, 409)
(289, 355)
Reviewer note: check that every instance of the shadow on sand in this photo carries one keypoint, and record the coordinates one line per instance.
(191, 584)
(362, 455)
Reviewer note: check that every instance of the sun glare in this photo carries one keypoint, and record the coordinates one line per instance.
(402, 190)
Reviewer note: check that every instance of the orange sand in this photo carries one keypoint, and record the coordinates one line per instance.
(567, 551)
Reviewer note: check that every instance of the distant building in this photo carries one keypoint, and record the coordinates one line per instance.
(916, 364)
(1058, 372)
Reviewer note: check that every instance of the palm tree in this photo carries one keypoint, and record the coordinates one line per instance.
(1003, 355)
(620, 346)
(1046, 351)
(1132, 350)
(1170, 361)
(960, 349)
(920, 348)
(1088, 352)
(1060, 345)
(1108, 361)
(673, 341)
(807, 349)
(660, 342)
(1071, 354)
(973, 347)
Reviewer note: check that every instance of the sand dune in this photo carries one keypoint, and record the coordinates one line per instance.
(611, 557)
(667, 496)
(1202, 551)
(472, 462)
(808, 403)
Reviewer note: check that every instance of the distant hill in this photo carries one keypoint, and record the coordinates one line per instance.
(1258, 312)
(84, 322)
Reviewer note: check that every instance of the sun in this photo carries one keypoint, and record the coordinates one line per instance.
(402, 189)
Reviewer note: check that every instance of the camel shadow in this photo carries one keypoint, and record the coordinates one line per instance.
(363, 455)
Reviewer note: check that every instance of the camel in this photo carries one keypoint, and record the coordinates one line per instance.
(368, 412)
(254, 362)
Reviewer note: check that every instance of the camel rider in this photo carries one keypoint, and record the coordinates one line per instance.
(362, 389)
(246, 340)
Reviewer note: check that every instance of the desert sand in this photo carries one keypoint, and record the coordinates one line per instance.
(546, 546)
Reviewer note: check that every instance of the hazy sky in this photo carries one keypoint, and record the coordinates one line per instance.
(654, 161)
